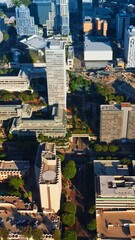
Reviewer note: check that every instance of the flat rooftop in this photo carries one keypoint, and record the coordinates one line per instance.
(96, 44)
(116, 186)
(107, 167)
(34, 41)
(14, 165)
(55, 44)
(116, 224)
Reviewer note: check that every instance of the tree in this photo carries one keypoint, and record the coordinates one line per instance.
(19, 2)
(27, 231)
(4, 233)
(37, 234)
(5, 36)
(56, 234)
(104, 148)
(69, 171)
(16, 183)
(126, 161)
(98, 148)
(69, 235)
(92, 210)
(10, 136)
(92, 225)
(5, 59)
(113, 148)
(69, 207)
(68, 219)
(61, 156)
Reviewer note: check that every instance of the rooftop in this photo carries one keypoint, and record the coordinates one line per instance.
(54, 44)
(116, 224)
(97, 44)
(36, 42)
(116, 186)
(112, 167)
(14, 165)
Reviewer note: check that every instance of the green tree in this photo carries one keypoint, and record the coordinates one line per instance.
(62, 157)
(10, 136)
(37, 234)
(69, 207)
(98, 148)
(19, 2)
(69, 171)
(7, 97)
(5, 59)
(34, 96)
(92, 210)
(68, 219)
(4, 233)
(126, 161)
(16, 183)
(113, 148)
(69, 235)
(56, 234)
(92, 225)
(104, 148)
(5, 36)
(27, 231)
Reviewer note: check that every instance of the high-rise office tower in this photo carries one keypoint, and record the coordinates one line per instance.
(129, 47)
(117, 122)
(52, 22)
(88, 25)
(56, 72)
(101, 27)
(40, 10)
(24, 22)
(122, 22)
(64, 17)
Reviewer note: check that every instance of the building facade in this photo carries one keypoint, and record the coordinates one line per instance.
(24, 22)
(56, 73)
(54, 127)
(49, 181)
(64, 17)
(129, 47)
(117, 122)
(12, 168)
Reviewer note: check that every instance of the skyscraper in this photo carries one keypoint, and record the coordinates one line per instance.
(64, 17)
(24, 22)
(129, 47)
(122, 22)
(56, 73)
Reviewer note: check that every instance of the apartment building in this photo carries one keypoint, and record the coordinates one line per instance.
(12, 168)
(14, 110)
(53, 127)
(24, 22)
(56, 72)
(129, 47)
(48, 176)
(117, 122)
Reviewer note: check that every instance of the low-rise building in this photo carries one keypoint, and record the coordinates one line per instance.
(53, 127)
(14, 110)
(12, 168)
(48, 175)
(97, 52)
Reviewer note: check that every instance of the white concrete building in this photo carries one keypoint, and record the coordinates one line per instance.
(49, 181)
(54, 127)
(56, 73)
(24, 22)
(14, 110)
(97, 52)
(129, 47)
(12, 168)
(17, 83)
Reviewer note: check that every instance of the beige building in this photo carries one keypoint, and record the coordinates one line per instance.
(101, 27)
(48, 175)
(12, 168)
(88, 25)
(117, 122)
